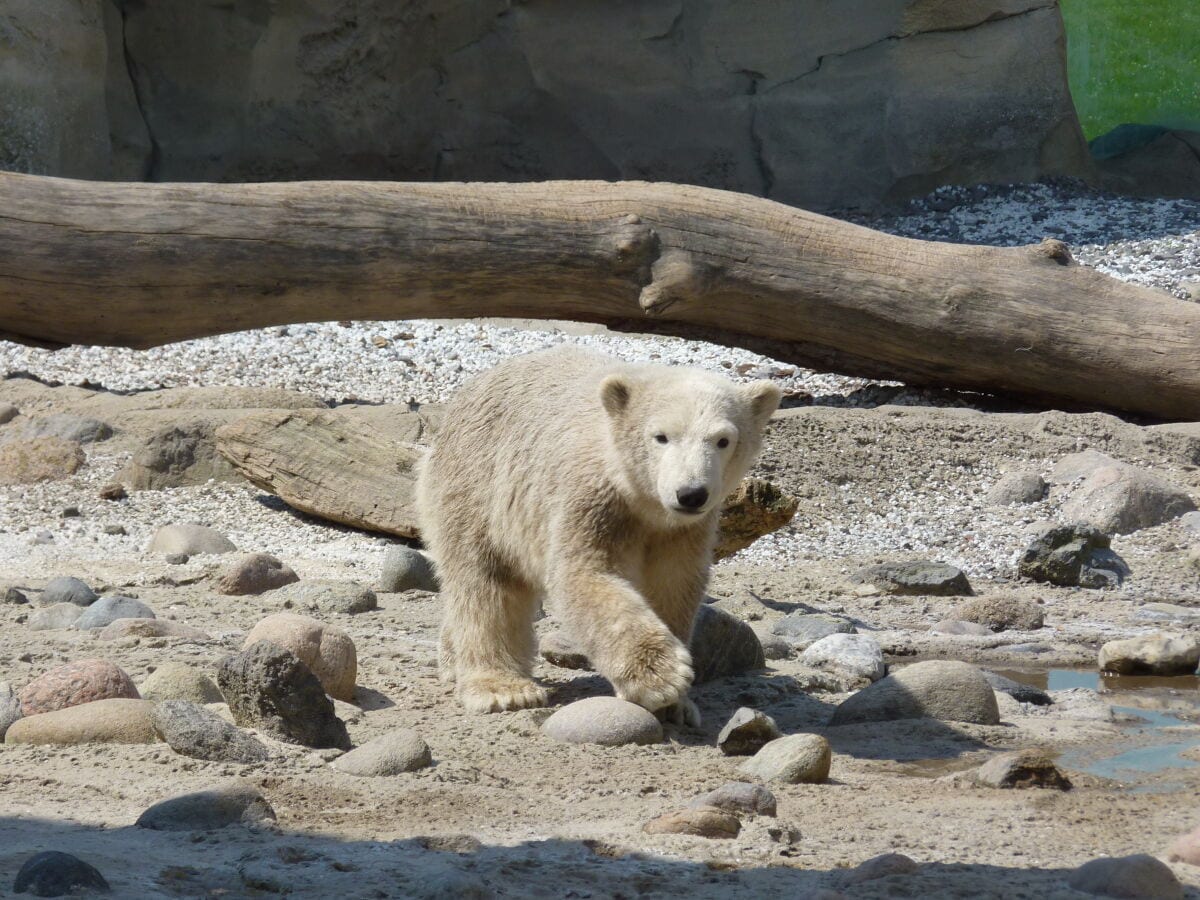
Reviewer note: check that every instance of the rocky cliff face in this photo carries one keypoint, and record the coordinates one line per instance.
(850, 104)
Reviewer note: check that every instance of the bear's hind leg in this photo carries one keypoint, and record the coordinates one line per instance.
(487, 643)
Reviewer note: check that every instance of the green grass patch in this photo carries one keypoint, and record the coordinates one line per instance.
(1134, 61)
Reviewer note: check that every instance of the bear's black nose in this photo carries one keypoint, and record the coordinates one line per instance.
(692, 497)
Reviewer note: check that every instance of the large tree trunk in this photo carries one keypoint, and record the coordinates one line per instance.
(145, 264)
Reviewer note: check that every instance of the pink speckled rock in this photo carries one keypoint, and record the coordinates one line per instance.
(76, 683)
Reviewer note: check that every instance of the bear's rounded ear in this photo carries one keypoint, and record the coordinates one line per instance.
(615, 392)
(764, 400)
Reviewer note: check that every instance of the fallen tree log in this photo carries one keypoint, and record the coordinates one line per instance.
(356, 466)
(139, 265)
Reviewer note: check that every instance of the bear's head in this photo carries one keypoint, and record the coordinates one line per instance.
(684, 438)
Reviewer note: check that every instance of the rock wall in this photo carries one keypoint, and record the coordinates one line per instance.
(854, 103)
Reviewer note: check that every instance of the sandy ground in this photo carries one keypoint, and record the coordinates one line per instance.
(508, 812)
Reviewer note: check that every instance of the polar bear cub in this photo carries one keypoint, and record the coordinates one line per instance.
(594, 486)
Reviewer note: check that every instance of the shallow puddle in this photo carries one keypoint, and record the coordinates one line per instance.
(1151, 712)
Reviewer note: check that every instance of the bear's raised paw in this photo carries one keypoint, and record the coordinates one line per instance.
(657, 672)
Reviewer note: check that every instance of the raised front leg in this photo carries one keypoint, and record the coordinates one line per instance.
(624, 638)
(674, 579)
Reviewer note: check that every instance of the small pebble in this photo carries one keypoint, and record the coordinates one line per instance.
(697, 821)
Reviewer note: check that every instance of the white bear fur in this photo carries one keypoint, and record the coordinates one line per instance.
(549, 482)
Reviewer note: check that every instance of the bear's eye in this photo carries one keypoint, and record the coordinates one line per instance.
(723, 443)
(661, 438)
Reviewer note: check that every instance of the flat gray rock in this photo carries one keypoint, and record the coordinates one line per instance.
(915, 577)
(1023, 693)
(940, 689)
(957, 627)
(882, 866)
(740, 797)
(327, 596)
(604, 720)
(407, 569)
(197, 732)
(107, 610)
(66, 427)
(802, 629)
(393, 753)
(189, 539)
(856, 654)
(794, 759)
(1151, 654)
(66, 589)
(180, 681)
(208, 810)
(51, 618)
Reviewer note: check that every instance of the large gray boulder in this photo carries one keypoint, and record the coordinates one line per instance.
(775, 98)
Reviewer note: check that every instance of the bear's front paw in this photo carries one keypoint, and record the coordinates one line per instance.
(681, 714)
(497, 693)
(654, 672)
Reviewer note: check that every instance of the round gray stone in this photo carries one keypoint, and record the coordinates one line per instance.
(795, 759)
(57, 874)
(1017, 488)
(940, 689)
(179, 681)
(406, 569)
(393, 753)
(604, 720)
(1137, 877)
(66, 589)
(107, 610)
